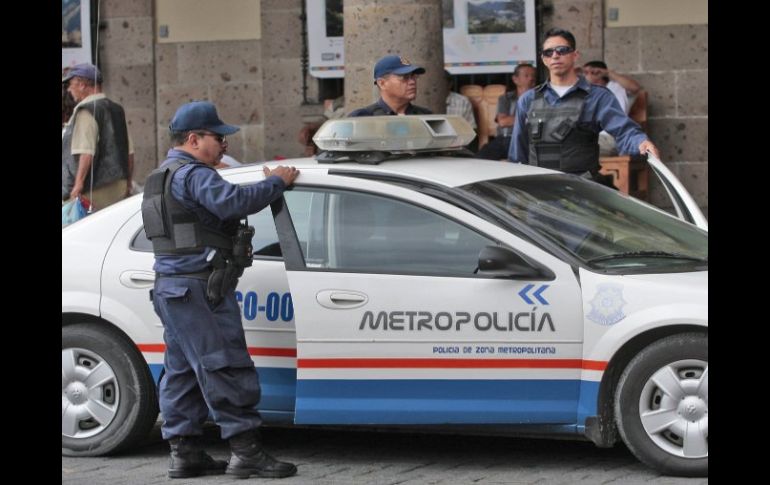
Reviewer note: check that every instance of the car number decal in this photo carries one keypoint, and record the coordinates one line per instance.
(275, 306)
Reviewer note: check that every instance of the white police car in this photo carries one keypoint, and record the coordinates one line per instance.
(407, 285)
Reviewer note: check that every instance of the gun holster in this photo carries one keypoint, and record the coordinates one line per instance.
(223, 278)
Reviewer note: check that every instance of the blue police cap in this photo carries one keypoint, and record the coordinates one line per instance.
(88, 71)
(395, 65)
(200, 115)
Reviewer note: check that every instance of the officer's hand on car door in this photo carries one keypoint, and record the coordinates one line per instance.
(648, 145)
(288, 174)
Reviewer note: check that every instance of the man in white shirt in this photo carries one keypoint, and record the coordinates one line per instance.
(457, 104)
(597, 72)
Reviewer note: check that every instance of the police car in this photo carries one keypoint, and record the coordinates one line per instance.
(401, 283)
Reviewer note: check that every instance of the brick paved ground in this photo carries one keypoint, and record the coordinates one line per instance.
(332, 457)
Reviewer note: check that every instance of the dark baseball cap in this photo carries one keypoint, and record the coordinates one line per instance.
(88, 71)
(395, 65)
(200, 115)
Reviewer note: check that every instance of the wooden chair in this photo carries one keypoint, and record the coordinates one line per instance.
(490, 94)
(630, 174)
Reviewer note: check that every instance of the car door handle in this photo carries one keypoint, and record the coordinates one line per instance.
(338, 299)
(137, 279)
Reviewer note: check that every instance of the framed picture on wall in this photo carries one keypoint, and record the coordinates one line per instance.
(75, 32)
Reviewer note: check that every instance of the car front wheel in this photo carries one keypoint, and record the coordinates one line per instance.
(108, 396)
(661, 405)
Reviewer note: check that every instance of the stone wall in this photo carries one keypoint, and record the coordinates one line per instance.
(250, 81)
(584, 18)
(227, 73)
(126, 57)
(671, 64)
(282, 80)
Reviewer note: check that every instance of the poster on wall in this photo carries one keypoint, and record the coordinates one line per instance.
(488, 36)
(326, 45)
(480, 36)
(75, 32)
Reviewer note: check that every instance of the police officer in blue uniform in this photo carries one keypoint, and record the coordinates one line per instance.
(396, 79)
(192, 216)
(558, 122)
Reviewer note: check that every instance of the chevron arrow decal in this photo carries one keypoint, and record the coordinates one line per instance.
(537, 294)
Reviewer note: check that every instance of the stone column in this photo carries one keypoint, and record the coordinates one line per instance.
(409, 28)
(126, 59)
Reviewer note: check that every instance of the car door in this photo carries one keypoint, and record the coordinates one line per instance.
(684, 205)
(396, 326)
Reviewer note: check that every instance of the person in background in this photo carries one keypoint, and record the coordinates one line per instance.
(558, 123)
(95, 141)
(457, 104)
(67, 103)
(67, 107)
(192, 216)
(333, 109)
(396, 78)
(523, 79)
(596, 72)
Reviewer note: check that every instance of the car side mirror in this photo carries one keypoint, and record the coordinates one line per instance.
(501, 262)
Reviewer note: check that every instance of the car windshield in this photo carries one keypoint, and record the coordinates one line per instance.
(600, 226)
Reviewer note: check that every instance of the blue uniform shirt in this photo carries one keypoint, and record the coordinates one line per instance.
(201, 189)
(601, 111)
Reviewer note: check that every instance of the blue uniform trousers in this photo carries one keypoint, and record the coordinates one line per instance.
(207, 364)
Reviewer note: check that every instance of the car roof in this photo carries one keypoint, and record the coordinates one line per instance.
(448, 171)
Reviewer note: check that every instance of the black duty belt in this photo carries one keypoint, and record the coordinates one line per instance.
(201, 275)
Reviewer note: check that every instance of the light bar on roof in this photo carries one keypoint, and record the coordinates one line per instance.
(394, 133)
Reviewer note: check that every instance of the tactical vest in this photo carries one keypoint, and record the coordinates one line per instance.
(111, 156)
(172, 228)
(556, 138)
(376, 110)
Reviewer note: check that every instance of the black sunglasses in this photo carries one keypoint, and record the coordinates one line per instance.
(561, 50)
(220, 138)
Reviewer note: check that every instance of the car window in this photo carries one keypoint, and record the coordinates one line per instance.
(308, 213)
(140, 242)
(265, 240)
(364, 232)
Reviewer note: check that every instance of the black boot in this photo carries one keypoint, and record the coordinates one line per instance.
(189, 460)
(249, 458)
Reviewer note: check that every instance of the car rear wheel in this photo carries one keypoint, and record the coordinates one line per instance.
(108, 396)
(661, 405)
